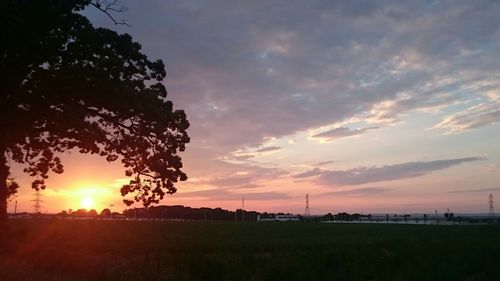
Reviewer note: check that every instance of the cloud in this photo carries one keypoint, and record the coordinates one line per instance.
(310, 173)
(239, 158)
(359, 191)
(266, 196)
(479, 115)
(231, 181)
(247, 186)
(268, 149)
(476, 190)
(227, 195)
(364, 175)
(323, 163)
(247, 177)
(245, 72)
(341, 132)
(245, 156)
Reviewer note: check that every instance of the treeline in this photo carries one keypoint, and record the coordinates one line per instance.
(184, 213)
(174, 212)
(343, 217)
(179, 212)
(83, 213)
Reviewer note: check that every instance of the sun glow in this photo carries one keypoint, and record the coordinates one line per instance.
(87, 202)
(92, 196)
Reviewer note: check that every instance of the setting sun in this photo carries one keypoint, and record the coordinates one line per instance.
(90, 196)
(87, 202)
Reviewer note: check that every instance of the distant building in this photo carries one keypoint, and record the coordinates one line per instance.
(280, 218)
(287, 218)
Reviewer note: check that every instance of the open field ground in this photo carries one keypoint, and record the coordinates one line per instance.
(135, 250)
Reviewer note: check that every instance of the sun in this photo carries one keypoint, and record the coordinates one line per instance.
(87, 202)
(92, 197)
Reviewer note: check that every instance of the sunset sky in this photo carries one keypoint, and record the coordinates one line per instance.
(367, 106)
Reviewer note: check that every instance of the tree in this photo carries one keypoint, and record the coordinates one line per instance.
(106, 213)
(63, 214)
(12, 187)
(92, 213)
(80, 213)
(67, 85)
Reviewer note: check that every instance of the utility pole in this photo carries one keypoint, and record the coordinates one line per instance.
(307, 212)
(491, 206)
(243, 208)
(38, 206)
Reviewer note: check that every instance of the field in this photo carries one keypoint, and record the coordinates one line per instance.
(138, 250)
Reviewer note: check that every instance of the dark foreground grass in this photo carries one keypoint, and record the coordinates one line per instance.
(126, 250)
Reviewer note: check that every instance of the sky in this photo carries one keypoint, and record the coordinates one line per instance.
(367, 106)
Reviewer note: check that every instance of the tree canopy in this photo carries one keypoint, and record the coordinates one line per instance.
(69, 85)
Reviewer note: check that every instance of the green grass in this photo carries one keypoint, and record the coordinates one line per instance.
(127, 250)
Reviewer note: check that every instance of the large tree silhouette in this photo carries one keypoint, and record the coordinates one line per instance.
(67, 85)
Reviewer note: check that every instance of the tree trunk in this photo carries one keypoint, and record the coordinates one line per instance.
(4, 173)
(3, 206)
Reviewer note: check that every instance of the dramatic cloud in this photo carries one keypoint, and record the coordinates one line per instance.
(464, 121)
(480, 115)
(341, 132)
(246, 72)
(390, 172)
(255, 77)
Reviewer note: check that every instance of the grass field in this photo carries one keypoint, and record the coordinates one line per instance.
(134, 250)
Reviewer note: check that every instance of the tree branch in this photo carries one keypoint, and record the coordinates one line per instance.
(108, 118)
(108, 7)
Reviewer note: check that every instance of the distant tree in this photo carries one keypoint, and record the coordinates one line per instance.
(188, 213)
(344, 216)
(79, 213)
(406, 217)
(67, 85)
(328, 217)
(63, 214)
(106, 213)
(92, 213)
(449, 216)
